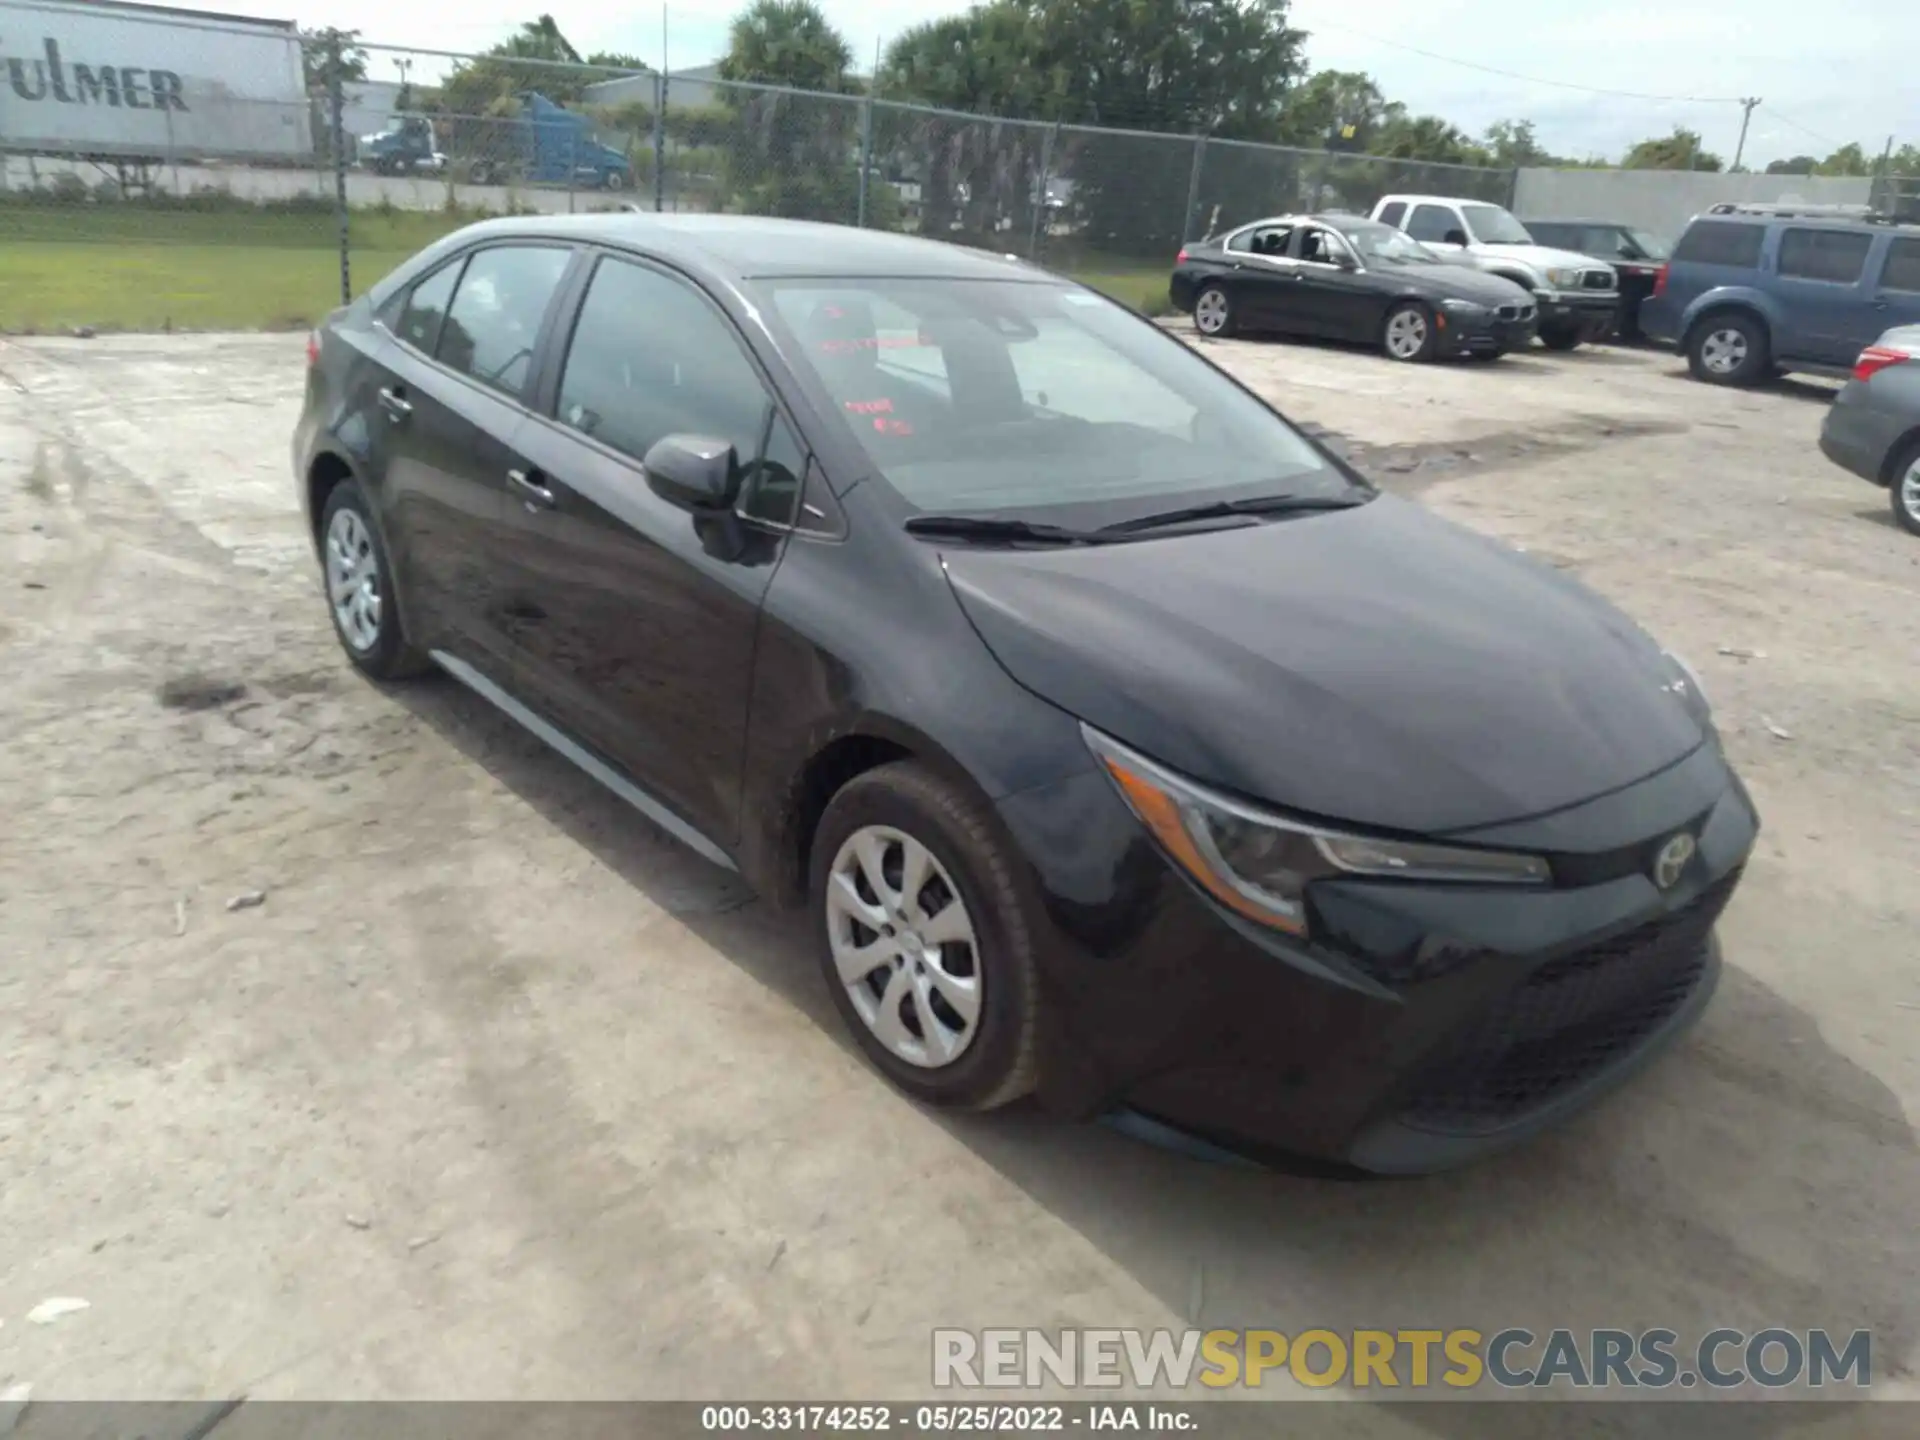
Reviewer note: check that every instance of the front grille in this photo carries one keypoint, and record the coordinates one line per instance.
(1596, 280)
(1567, 1022)
(1515, 312)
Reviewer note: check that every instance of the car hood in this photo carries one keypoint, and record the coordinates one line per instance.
(1377, 666)
(1459, 282)
(1542, 256)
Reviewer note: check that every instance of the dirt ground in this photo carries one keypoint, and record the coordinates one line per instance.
(501, 1094)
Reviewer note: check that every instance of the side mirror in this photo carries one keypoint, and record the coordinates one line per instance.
(1345, 261)
(695, 472)
(1454, 237)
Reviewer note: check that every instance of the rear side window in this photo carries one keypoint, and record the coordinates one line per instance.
(1833, 255)
(651, 358)
(1432, 222)
(1393, 214)
(1261, 240)
(1902, 270)
(494, 322)
(426, 307)
(1721, 242)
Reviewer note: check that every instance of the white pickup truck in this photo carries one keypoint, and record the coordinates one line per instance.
(1578, 296)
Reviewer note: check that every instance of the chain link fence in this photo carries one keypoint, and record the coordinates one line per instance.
(262, 191)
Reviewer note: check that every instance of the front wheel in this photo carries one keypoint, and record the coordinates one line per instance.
(1409, 332)
(1905, 490)
(924, 940)
(614, 180)
(1560, 337)
(1213, 313)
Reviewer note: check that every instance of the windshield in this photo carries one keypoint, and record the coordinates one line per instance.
(1493, 226)
(1035, 400)
(1650, 247)
(1384, 243)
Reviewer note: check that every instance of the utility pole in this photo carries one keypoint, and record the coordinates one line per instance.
(1746, 114)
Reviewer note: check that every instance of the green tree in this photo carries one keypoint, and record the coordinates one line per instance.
(1511, 144)
(1847, 160)
(1793, 165)
(1338, 109)
(787, 42)
(329, 54)
(1424, 137)
(1679, 151)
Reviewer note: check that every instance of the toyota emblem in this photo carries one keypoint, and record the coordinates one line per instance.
(1672, 859)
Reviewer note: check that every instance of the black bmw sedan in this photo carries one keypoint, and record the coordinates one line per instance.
(1339, 277)
(1121, 744)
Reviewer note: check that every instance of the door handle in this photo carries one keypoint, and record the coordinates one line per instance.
(529, 489)
(393, 400)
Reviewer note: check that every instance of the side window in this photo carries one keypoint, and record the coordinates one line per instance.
(1833, 255)
(651, 358)
(1393, 214)
(1721, 242)
(772, 490)
(1902, 270)
(1317, 246)
(1432, 222)
(494, 322)
(424, 307)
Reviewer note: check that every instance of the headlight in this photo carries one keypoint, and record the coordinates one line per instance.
(1563, 279)
(1683, 681)
(1259, 864)
(1463, 307)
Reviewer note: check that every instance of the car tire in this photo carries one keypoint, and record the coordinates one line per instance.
(358, 581)
(1213, 313)
(1561, 337)
(1903, 488)
(990, 1059)
(1729, 348)
(1409, 334)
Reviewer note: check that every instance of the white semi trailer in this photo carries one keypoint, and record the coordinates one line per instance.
(119, 82)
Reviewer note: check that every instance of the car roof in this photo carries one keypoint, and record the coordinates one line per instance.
(741, 247)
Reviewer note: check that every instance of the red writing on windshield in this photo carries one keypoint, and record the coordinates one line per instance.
(870, 407)
(892, 427)
(870, 342)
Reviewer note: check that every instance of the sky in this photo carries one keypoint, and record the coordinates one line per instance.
(1826, 72)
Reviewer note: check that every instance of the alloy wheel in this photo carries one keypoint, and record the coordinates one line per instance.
(353, 580)
(904, 946)
(1406, 334)
(1910, 493)
(1210, 314)
(1724, 350)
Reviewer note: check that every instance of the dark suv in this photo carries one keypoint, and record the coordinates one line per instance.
(1754, 290)
(1635, 255)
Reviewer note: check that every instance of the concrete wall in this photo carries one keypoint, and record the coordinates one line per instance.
(1662, 201)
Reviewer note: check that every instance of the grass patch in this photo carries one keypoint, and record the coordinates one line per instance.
(1145, 290)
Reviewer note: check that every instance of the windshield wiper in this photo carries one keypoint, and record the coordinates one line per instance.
(1226, 509)
(988, 527)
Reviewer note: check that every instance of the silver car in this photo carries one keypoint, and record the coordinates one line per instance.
(1873, 428)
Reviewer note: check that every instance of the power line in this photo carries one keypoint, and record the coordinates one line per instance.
(1774, 114)
(1529, 79)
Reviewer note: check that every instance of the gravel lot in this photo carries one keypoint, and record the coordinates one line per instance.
(499, 1093)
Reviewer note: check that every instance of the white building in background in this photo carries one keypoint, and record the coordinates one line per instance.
(693, 88)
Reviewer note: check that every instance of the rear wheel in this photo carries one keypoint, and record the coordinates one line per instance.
(1728, 349)
(923, 939)
(1213, 313)
(1905, 489)
(1409, 332)
(360, 588)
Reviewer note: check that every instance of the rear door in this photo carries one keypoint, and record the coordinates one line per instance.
(457, 360)
(1820, 287)
(1896, 293)
(632, 620)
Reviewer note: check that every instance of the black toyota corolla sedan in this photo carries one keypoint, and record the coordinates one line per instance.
(1122, 745)
(1339, 277)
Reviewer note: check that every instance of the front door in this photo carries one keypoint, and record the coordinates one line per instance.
(1336, 301)
(632, 621)
(1264, 277)
(455, 368)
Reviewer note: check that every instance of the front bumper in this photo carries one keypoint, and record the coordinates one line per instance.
(1594, 311)
(1427, 1025)
(1467, 333)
